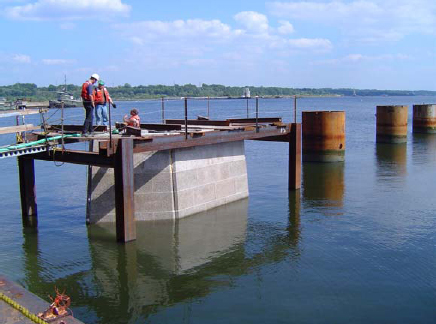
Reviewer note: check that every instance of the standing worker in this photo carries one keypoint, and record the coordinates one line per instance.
(88, 103)
(101, 97)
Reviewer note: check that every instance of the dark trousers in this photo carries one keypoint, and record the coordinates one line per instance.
(89, 110)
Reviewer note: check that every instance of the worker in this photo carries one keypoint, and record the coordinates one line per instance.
(133, 119)
(88, 103)
(101, 97)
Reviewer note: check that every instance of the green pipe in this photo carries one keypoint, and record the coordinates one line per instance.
(41, 141)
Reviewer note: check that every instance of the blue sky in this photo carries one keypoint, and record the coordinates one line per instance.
(376, 44)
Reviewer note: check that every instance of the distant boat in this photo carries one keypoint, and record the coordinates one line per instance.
(65, 98)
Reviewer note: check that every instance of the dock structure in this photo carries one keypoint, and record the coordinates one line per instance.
(19, 306)
(161, 171)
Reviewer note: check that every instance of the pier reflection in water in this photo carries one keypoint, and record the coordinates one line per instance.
(391, 162)
(323, 186)
(170, 262)
(424, 149)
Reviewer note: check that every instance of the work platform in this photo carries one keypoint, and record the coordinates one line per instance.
(122, 153)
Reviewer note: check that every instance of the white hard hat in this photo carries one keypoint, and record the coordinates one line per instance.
(95, 76)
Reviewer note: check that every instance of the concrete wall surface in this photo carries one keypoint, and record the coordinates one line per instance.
(176, 183)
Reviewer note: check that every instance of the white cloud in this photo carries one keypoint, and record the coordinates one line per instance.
(178, 29)
(320, 44)
(364, 20)
(201, 62)
(359, 58)
(57, 61)
(285, 27)
(67, 26)
(68, 10)
(253, 21)
(330, 11)
(21, 58)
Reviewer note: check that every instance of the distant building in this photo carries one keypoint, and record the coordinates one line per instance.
(247, 93)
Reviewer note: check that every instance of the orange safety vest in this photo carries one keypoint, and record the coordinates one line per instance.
(136, 122)
(85, 96)
(99, 98)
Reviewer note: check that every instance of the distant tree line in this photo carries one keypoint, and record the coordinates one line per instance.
(129, 92)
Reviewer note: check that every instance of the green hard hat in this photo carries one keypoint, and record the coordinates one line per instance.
(101, 82)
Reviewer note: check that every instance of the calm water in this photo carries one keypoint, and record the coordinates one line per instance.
(355, 245)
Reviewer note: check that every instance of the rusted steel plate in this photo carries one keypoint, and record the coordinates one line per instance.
(391, 124)
(323, 135)
(424, 118)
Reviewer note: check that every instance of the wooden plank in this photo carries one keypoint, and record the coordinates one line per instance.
(124, 192)
(295, 157)
(13, 112)
(29, 209)
(77, 128)
(20, 128)
(198, 122)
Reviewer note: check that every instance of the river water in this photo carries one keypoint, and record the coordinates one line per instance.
(355, 245)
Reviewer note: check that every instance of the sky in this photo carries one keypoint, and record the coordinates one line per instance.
(363, 44)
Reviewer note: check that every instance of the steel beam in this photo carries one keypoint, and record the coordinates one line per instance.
(124, 192)
(76, 157)
(198, 122)
(29, 211)
(295, 157)
(178, 141)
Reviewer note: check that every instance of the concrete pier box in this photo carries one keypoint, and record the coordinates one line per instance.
(173, 184)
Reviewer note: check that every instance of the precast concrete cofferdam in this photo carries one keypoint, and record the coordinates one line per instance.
(175, 183)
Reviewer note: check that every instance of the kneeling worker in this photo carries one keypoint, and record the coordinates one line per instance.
(133, 119)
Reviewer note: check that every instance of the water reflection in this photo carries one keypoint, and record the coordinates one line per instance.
(294, 224)
(391, 161)
(170, 262)
(324, 186)
(424, 148)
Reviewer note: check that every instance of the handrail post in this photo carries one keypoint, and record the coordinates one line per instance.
(208, 106)
(295, 108)
(163, 110)
(110, 127)
(257, 114)
(186, 118)
(247, 109)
